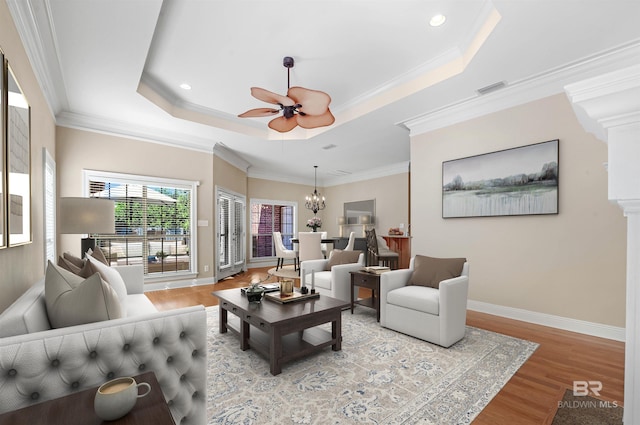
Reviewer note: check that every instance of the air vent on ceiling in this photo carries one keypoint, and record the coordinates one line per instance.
(491, 87)
(339, 173)
(331, 146)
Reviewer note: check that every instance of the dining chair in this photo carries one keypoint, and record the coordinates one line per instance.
(323, 246)
(352, 242)
(377, 256)
(309, 246)
(282, 253)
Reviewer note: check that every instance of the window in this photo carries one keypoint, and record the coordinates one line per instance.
(154, 221)
(267, 217)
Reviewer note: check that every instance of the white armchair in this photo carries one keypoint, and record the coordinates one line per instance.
(437, 315)
(332, 280)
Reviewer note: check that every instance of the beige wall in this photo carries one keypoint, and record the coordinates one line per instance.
(571, 264)
(21, 266)
(229, 177)
(78, 150)
(391, 194)
(280, 191)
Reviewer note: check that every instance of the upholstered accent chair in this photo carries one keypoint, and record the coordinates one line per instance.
(282, 253)
(331, 276)
(377, 255)
(428, 300)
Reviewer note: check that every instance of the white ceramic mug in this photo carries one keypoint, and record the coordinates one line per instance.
(116, 398)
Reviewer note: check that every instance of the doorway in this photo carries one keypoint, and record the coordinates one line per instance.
(230, 233)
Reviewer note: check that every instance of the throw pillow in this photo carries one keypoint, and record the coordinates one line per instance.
(76, 261)
(72, 300)
(342, 257)
(72, 266)
(109, 275)
(98, 255)
(429, 271)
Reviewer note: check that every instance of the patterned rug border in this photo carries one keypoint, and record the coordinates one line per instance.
(402, 380)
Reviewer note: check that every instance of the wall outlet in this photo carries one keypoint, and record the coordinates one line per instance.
(206, 268)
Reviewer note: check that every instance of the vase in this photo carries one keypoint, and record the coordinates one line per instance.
(314, 228)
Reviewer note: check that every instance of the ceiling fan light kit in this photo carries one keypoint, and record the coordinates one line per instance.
(300, 107)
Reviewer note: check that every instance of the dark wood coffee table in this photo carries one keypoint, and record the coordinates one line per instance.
(77, 409)
(287, 331)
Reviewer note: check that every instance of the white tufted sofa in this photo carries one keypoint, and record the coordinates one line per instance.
(38, 363)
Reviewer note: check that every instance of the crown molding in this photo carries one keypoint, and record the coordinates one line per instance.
(133, 131)
(606, 101)
(34, 24)
(526, 90)
(223, 152)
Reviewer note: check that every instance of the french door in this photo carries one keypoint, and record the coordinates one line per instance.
(230, 233)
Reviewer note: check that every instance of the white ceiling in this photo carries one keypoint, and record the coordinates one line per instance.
(116, 65)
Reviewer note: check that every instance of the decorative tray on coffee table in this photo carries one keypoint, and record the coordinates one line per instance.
(285, 299)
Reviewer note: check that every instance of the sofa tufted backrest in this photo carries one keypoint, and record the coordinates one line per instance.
(173, 344)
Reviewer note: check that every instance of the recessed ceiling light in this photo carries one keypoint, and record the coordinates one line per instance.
(437, 20)
(185, 86)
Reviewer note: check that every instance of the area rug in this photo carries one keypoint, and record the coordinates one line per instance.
(586, 410)
(379, 377)
(285, 271)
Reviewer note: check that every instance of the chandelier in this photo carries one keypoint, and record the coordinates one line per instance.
(315, 202)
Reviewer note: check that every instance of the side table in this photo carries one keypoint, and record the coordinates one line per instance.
(366, 280)
(77, 409)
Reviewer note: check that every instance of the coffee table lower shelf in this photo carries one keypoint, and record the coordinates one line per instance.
(294, 345)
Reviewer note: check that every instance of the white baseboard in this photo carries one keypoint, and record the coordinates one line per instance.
(157, 286)
(559, 322)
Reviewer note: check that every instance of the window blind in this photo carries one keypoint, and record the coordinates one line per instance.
(153, 223)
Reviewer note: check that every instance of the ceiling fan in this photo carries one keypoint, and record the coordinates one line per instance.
(300, 107)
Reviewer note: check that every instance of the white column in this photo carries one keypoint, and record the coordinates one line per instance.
(609, 107)
(632, 348)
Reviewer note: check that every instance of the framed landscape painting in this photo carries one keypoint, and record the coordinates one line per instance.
(518, 181)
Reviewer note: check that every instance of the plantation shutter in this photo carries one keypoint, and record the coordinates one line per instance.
(49, 208)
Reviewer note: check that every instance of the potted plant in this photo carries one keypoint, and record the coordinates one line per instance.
(255, 292)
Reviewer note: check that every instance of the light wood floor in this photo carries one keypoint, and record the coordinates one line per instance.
(532, 394)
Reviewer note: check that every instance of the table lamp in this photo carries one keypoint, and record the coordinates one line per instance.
(87, 216)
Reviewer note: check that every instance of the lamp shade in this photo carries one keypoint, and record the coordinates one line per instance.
(87, 215)
(365, 219)
(342, 220)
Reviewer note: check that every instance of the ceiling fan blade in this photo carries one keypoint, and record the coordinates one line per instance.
(259, 112)
(283, 124)
(313, 102)
(271, 97)
(313, 121)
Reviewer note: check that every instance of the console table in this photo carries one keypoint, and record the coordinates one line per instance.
(77, 409)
